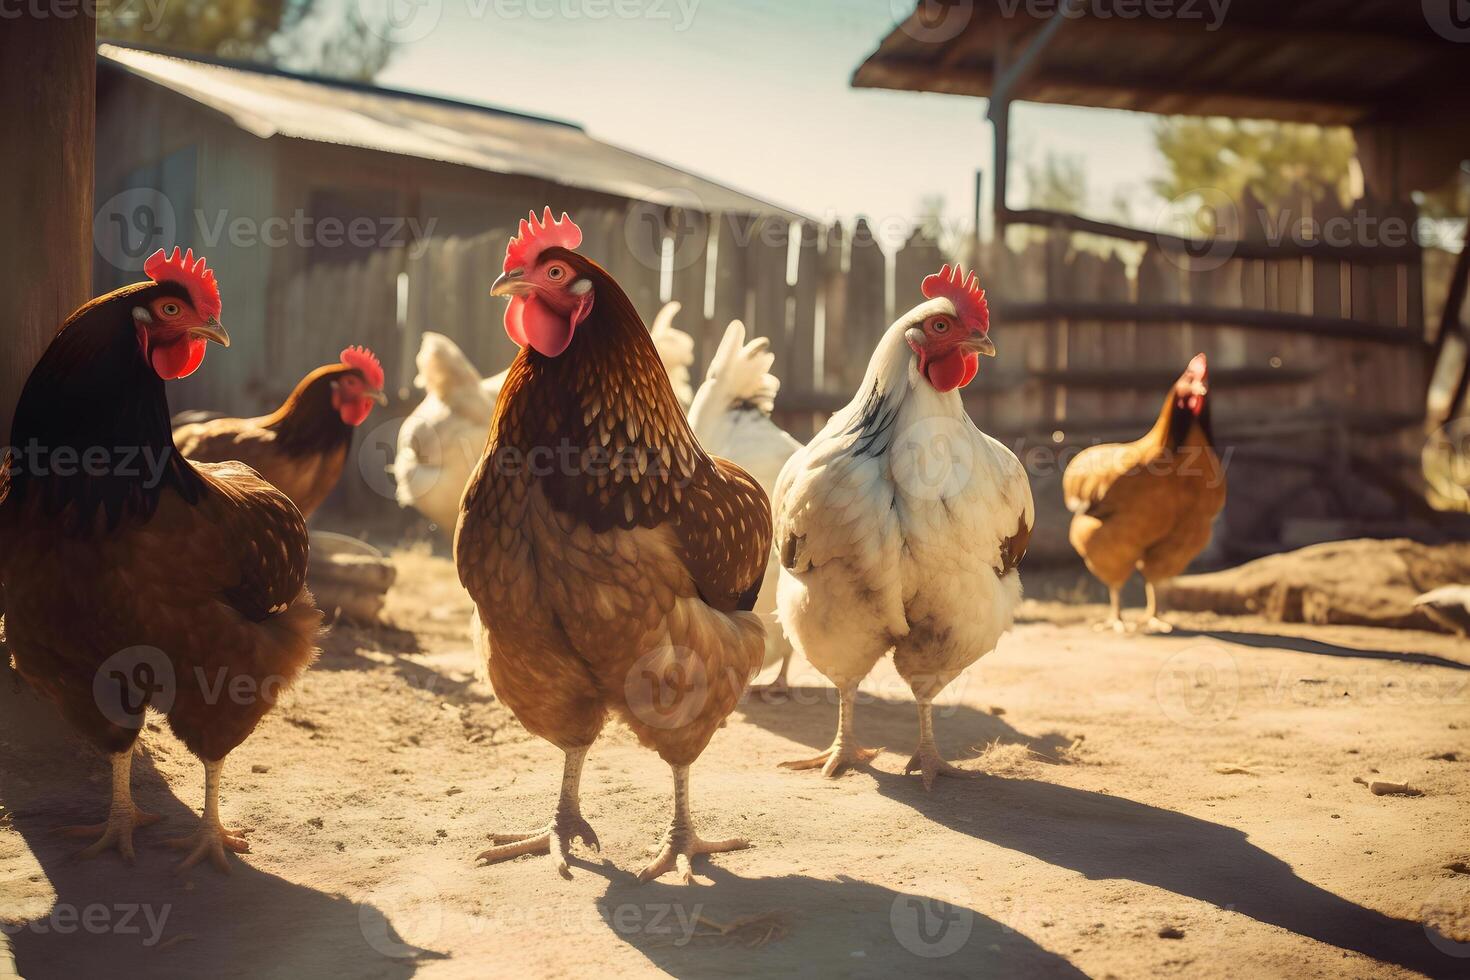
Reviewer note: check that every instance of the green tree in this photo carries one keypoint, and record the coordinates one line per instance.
(1270, 158)
(326, 36)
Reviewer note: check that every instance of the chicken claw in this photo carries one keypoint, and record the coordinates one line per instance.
(554, 839)
(116, 833)
(836, 760)
(931, 766)
(679, 847)
(210, 841)
(123, 817)
(1155, 625)
(1115, 624)
(926, 757)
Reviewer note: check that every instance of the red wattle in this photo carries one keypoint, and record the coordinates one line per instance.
(178, 359)
(356, 411)
(530, 322)
(953, 370)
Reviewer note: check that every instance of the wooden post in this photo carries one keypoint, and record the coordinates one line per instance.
(48, 101)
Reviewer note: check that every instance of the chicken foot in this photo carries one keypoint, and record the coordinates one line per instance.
(211, 840)
(778, 688)
(926, 757)
(680, 843)
(123, 817)
(1114, 621)
(556, 837)
(845, 750)
(1151, 621)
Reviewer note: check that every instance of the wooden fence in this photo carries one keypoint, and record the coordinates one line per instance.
(1317, 345)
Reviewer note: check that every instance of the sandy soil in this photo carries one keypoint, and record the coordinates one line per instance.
(1180, 805)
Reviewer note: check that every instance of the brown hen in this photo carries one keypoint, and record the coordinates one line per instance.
(1149, 504)
(134, 579)
(301, 447)
(612, 562)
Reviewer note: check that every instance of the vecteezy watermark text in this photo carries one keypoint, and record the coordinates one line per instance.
(36, 460)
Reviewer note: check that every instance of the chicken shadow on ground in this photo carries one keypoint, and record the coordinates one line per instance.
(809, 715)
(1301, 644)
(342, 650)
(1108, 837)
(109, 919)
(779, 927)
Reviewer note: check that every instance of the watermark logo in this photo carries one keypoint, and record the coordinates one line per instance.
(131, 680)
(377, 460)
(1199, 222)
(131, 225)
(401, 21)
(1446, 915)
(934, 458)
(403, 917)
(667, 687)
(1199, 686)
(1446, 460)
(933, 21)
(1450, 19)
(934, 920)
(648, 226)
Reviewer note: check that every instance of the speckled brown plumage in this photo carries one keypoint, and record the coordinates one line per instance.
(208, 568)
(300, 448)
(609, 557)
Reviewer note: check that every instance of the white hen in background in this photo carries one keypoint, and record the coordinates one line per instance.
(731, 416)
(442, 439)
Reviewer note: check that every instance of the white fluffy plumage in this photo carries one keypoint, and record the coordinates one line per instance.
(899, 527)
(731, 416)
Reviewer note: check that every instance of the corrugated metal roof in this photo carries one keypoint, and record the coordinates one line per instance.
(268, 103)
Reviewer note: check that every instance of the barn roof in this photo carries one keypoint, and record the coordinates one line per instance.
(268, 102)
(1320, 61)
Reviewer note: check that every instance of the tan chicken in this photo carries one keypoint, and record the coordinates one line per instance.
(612, 562)
(1149, 504)
(301, 448)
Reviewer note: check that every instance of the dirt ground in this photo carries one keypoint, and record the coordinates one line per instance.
(1179, 805)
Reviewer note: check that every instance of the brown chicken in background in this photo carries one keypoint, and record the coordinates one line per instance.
(300, 448)
(1149, 504)
(612, 562)
(134, 578)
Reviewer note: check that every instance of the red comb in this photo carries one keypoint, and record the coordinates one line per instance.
(366, 362)
(190, 273)
(964, 292)
(539, 234)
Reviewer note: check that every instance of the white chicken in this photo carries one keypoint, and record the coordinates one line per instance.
(442, 439)
(901, 525)
(731, 416)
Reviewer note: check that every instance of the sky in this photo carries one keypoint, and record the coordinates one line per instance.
(756, 94)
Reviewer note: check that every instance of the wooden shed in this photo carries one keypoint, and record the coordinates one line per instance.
(1321, 347)
(336, 212)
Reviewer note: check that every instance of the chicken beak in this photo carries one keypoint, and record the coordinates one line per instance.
(211, 329)
(380, 397)
(980, 343)
(511, 283)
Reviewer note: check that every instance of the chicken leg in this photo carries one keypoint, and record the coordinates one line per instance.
(1151, 621)
(123, 817)
(1114, 621)
(778, 688)
(556, 837)
(680, 843)
(845, 750)
(926, 757)
(211, 840)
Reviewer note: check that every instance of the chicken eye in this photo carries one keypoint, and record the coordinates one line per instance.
(940, 326)
(170, 309)
(555, 273)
